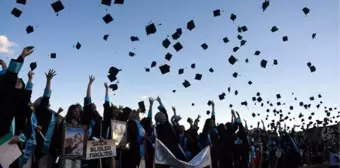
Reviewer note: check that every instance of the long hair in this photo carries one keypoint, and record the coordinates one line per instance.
(207, 126)
(69, 115)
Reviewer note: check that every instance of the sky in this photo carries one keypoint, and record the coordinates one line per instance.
(81, 21)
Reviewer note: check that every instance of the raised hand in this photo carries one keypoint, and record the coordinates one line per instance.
(159, 100)
(30, 75)
(91, 79)
(106, 86)
(60, 110)
(151, 100)
(174, 110)
(51, 73)
(27, 51)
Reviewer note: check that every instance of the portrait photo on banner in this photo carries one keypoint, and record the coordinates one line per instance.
(118, 129)
(74, 142)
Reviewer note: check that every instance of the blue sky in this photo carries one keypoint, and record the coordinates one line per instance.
(82, 21)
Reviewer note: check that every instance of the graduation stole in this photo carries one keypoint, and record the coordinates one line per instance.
(92, 123)
(31, 142)
(49, 134)
(140, 138)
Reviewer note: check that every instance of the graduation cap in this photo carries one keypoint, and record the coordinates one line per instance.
(141, 106)
(247, 60)
(319, 95)
(29, 29)
(21, 2)
(33, 66)
(312, 68)
(310, 117)
(217, 12)
(53, 55)
(263, 63)
(229, 89)
(257, 53)
(168, 56)
(233, 17)
(230, 105)
(265, 5)
(278, 103)
(107, 18)
(301, 103)
(178, 46)
(225, 40)
(131, 54)
(16, 12)
(57, 6)
(318, 106)
(192, 104)
(119, 2)
(204, 46)
(278, 96)
(291, 107)
(209, 102)
(221, 96)
(191, 25)
(311, 98)
(235, 49)
(106, 2)
(114, 71)
(275, 62)
(309, 64)
(239, 37)
(274, 29)
(78, 46)
(186, 83)
(250, 82)
(313, 35)
(177, 34)
(180, 71)
(232, 60)
(243, 42)
(166, 43)
(236, 92)
(198, 76)
(305, 10)
(244, 103)
(113, 87)
(244, 28)
(173, 91)
(193, 66)
(150, 29)
(105, 37)
(208, 112)
(211, 70)
(235, 74)
(259, 99)
(258, 94)
(134, 38)
(312, 113)
(254, 98)
(254, 115)
(164, 69)
(285, 38)
(111, 77)
(147, 69)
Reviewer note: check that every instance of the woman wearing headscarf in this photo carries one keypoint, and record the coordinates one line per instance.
(46, 124)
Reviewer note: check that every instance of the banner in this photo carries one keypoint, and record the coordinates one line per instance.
(164, 158)
(100, 149)
(117, 130)
(8, 152)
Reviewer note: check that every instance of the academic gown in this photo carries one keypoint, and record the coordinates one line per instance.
(106, 128)
(241, 150)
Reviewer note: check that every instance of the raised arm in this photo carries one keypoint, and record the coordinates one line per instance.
(88, 99)
(213, 110)
(264, 127)
(44, 104)
(151, 100)
(161, 107)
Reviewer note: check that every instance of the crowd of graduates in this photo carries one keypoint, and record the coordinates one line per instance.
(38, 131)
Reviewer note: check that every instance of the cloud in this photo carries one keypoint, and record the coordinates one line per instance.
(6, 46)
(144, 97)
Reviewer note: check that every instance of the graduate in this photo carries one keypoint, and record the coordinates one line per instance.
(150, 136)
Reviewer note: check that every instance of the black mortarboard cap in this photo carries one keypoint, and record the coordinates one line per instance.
(254, 98)
(186, 83)
(119, 2)
(275, 62)
(57, 6)
(33, 65)
(291, 107)
(173, 91)
(305, 10)
(178, 46)
(191, 25)
(244, 28)
(318, 106)
(311, 98)
(233, 17)
(16, 12)
(204, 46)
(180, 71)
(250, 82)
(244, 103)
(134, 38)
(258, 94)
(168, 56)
(259, 99)
(278, 103)
(309, 64)
(243, 42)
(235, 74)
(53, 55)
(166, 43)
(221, 96)
(107, 18)
(263, 63)
(225, 40)
(29, 29)
(232, 60)
(278, 96)
(150, 29)
(301, 103)
(114, 71)
(265, 5)
(236, 92)
(198, 76)
(257, 52)
(235, 49)
(147, 69)
(254, 115)
(78, 46)
(312, 113)
(153, 64)
(229, 89)
(274, 29)
(217, 12)
(319, 95)
(113, 87)
(312, 68)
(285, 38)
(247, 60)
(313, 35)
(177, 34)
(106, 2)
(239, 37)
(208, 112)
(131, 54)
(211, 70)
(230, 106)
(141, 106)
(164, 69)
(193, 66)
(21, 2)
(192, 104)
(112, 77)
(105, 37)
(209, 102)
